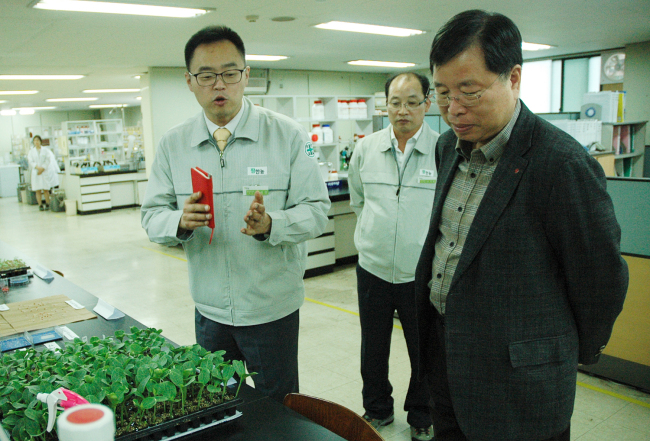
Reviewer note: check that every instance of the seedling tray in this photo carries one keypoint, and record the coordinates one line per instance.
(4, 274)
(179, 425)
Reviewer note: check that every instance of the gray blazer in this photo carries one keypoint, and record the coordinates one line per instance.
(537, 289)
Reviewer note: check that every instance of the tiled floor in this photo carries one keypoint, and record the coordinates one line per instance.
(110, 256)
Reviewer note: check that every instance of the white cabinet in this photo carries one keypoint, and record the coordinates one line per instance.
(336, 242)
(299, 107)
(104, 192)
(142, 188)
(93, 140)
(320, 252)
(9, 179)
(92, 193)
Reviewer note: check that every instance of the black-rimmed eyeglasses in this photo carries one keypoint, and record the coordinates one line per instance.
(231, 76)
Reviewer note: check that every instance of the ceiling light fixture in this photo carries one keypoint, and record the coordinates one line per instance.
(368, 29)
(265, 57)
(26, 111)
(110, 90)
(8, 112)
(283, 19)
(107, 106)
(63, 100)
(137, 77)
(18, 92)
(3, 101)
(41, 77)
(139, 98)
(380, 63)
(120, 8)
(534, 46)
(34, 108)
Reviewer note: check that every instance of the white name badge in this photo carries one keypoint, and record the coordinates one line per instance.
(249, 190)
(257, 171)
(427, 173)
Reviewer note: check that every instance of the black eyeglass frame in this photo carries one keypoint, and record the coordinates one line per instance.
(217, 75)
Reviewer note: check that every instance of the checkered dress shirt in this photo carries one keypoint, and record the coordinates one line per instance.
(472, 178)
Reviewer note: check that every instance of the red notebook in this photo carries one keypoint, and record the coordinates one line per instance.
(202, 181)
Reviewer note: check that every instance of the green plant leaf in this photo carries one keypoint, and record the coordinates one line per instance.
(176, 375)
(136, 349)
(148, 403)
(143, 384)
(33, 428)
(204, 377)
(32, 414)
(240, 368)
(228, 373)
(10, 420)
(168, 390)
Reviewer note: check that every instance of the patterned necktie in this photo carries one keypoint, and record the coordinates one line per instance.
(221, 135)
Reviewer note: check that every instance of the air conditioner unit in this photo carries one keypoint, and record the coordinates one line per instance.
(257, 86)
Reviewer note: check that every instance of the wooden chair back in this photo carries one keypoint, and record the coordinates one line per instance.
(334, 417)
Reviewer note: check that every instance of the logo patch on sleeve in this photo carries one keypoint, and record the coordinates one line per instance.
(309, 150)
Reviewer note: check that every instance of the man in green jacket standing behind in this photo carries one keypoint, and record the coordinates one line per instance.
(392, 181)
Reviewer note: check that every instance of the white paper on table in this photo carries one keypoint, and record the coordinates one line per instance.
(75, 304)
(107, 311)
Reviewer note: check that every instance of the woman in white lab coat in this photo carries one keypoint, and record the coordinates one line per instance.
(44, 168)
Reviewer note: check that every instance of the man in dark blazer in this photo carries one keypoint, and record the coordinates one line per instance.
(520, 277)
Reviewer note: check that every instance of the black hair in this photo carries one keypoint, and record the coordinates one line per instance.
(494, 33)
(39, 138)
(213, 34)
(424, 82)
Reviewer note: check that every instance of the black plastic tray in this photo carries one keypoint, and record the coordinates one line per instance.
(4, 274)
(184, 423)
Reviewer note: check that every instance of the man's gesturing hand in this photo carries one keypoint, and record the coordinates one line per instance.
(257, 221)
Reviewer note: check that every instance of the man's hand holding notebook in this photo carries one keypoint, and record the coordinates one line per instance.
(202, 182)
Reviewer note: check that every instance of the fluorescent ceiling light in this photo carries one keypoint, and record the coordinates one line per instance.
(34, 108)
(139, 98)
(63, 100)
(7, 112)
(110, 90)
(534, 46)
(26, 111)
(18, 92)
(137, 77)
(119, 8)
(41, 77)
(368, 29)
(3, 101)
(106, 106)
(265, 57)
(380, 63)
